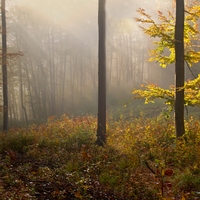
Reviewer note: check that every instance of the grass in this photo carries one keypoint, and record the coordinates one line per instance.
(141, 160)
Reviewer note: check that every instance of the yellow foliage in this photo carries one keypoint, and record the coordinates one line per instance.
(164, 32)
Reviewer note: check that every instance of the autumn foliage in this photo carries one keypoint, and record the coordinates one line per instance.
(142, 160)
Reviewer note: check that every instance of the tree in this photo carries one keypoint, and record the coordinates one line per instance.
(177, 36)
(101, 129)
(4, 67)
(179, 69)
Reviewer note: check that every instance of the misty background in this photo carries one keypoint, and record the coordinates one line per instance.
(57, 72)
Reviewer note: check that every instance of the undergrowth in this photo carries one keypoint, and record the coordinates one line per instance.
(141, 160)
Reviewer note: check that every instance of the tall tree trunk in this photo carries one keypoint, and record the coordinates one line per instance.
(72, 82)
(131, 58)
(179, 68)
(22, 93)
(101, 130)
(142, 65)
(34, 74)
(63, 82)
(52, 96)
(4, 66)
(30, 92)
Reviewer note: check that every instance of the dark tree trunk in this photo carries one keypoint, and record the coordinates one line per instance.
(179, 68)
(101, 129)
(4, 67)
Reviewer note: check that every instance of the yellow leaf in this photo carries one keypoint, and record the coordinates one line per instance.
(183, 198)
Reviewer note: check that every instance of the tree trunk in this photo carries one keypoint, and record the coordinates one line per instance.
(30, 92)
(179, 68)
(101, 130)
(4, 67)
(22, 93)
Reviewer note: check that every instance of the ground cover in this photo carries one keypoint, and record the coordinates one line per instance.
(141, 160)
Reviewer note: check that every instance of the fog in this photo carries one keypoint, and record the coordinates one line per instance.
(57, 73)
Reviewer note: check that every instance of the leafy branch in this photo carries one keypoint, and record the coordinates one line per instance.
(152, 92)
(164, 30)
(164, 33)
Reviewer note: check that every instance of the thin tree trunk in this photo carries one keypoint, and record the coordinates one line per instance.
(101, 130)
(4, 67)
(179, 68)
(30, 93)
(13, 105)
(64, 81)
(21, 93)
(142, 66)
(72, 87)
(109, 79)
(131, 58)
(37, 105)
(52, 72)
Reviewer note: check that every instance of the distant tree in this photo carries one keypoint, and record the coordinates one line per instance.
(21, 92)
(179, 68)
(4, 66)
(101, 129)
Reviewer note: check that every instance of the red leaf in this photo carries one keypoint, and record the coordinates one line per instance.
(168, 172)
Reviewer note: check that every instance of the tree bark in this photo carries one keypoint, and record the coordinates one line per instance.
(179, 68)
(4, 67)
(101, 130)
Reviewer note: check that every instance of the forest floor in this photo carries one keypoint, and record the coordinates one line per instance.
(142, 160)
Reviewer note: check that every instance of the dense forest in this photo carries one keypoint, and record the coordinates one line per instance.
(56, 70)
(100, 100)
